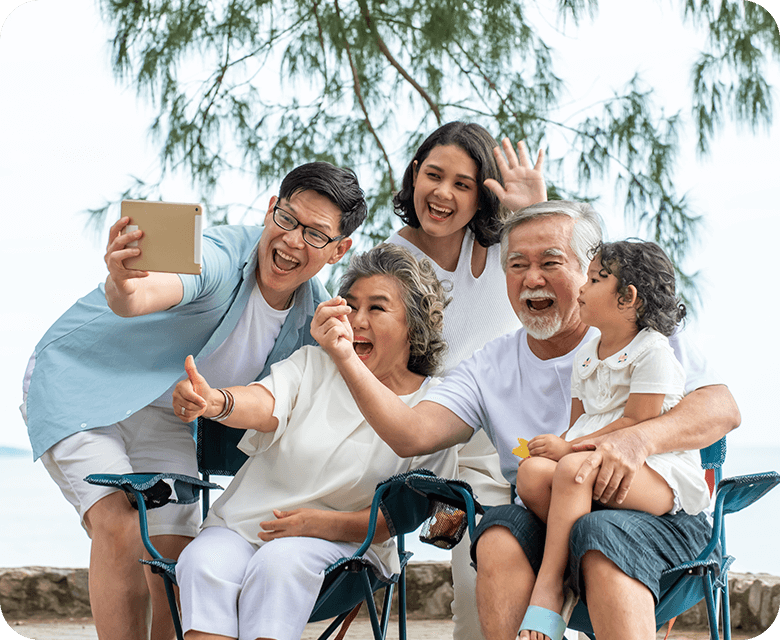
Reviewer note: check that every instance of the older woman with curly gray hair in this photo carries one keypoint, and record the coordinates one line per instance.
(422, 295)
(301, 500)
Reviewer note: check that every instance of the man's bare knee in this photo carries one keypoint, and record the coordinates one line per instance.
(496, 548)
(113, 519)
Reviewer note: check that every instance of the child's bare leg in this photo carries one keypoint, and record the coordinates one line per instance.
(534, 484)
(569, 502)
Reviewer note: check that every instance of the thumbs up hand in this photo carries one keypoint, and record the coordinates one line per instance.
(192, 397)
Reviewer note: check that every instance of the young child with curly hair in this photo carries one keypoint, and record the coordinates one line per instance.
(627, 375)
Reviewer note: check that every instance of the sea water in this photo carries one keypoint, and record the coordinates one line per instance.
(39, 528)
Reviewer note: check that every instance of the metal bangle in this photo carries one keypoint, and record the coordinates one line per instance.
(222, 414)
(230, 404)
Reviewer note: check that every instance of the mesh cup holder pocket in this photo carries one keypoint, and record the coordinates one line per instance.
(445, 525)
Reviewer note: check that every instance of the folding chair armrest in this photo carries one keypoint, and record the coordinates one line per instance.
(733, 495)
(181, 489)
(372, 519)
(741, 491)
(151, 490)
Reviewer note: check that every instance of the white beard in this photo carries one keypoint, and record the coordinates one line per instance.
(541, 327)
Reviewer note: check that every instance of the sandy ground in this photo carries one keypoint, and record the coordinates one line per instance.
(84, 629)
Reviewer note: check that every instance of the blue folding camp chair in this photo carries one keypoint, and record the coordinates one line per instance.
(704, 577)
(348, 582)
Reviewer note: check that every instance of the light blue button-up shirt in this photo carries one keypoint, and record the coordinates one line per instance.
(94, 368)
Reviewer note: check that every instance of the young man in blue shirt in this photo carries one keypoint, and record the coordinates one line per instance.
(98, 386)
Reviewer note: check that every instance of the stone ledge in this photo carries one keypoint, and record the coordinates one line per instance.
(30, 592)
(42, 592)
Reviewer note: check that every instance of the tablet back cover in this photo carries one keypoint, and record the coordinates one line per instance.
(172, 235)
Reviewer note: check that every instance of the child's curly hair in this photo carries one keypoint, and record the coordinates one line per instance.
(649, 269)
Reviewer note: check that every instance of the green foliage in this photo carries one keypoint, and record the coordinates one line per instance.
(361, 82)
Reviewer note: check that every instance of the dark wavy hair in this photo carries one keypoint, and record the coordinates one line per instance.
(649, 269)
(423, 296)
(478, 144)
(338, 185)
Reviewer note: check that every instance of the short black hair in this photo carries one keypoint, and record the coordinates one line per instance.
(477, 142)
(338, 185)
(646, 266)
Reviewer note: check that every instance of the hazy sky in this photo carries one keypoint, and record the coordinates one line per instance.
(70, 136)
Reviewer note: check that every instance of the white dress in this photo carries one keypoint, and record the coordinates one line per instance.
(646, 365)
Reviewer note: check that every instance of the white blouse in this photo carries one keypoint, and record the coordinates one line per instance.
(323, 455)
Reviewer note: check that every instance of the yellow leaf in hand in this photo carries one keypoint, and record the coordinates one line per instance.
(522, 450)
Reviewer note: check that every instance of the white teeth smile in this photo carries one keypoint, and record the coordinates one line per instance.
(539, 304)
(440, 211)
(288, 262)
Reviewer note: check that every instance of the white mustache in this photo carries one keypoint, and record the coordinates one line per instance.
(537, 294)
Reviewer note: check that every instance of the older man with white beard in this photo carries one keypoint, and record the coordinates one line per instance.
(519, 386)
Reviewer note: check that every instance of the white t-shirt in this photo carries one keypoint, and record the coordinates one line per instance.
(646, 365)
(323, 455)
(241, 357)
(510, 393)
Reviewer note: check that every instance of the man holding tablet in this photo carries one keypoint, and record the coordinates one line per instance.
(98, 387)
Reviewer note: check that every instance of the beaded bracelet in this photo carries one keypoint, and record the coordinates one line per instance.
(230, 404)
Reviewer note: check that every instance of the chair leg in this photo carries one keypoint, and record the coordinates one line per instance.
(712, 617)
(338, 620)
(371, 606)
(174, 607)
(387, 603)
(402, 605)
(726, 609)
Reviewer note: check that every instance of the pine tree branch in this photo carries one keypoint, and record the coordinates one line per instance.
(396, 65)
(320, 35)
(359, 95)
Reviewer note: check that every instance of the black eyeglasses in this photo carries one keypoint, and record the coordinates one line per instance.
(311, 236)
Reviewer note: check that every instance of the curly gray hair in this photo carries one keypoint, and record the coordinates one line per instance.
(423, 296)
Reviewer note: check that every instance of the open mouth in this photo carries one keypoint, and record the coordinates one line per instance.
(284, 261)
(439, 213)
(363, 348)
(539, 304)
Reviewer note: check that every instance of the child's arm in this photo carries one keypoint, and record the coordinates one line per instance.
(552, 446)
(549, 446)
(577, 409)
(639, 407)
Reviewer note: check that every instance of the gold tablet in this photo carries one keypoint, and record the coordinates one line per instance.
(173, 233)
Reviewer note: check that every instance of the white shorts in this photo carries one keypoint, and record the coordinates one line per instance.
(151, 440)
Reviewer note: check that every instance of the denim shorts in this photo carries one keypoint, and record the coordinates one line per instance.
(641, 545)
